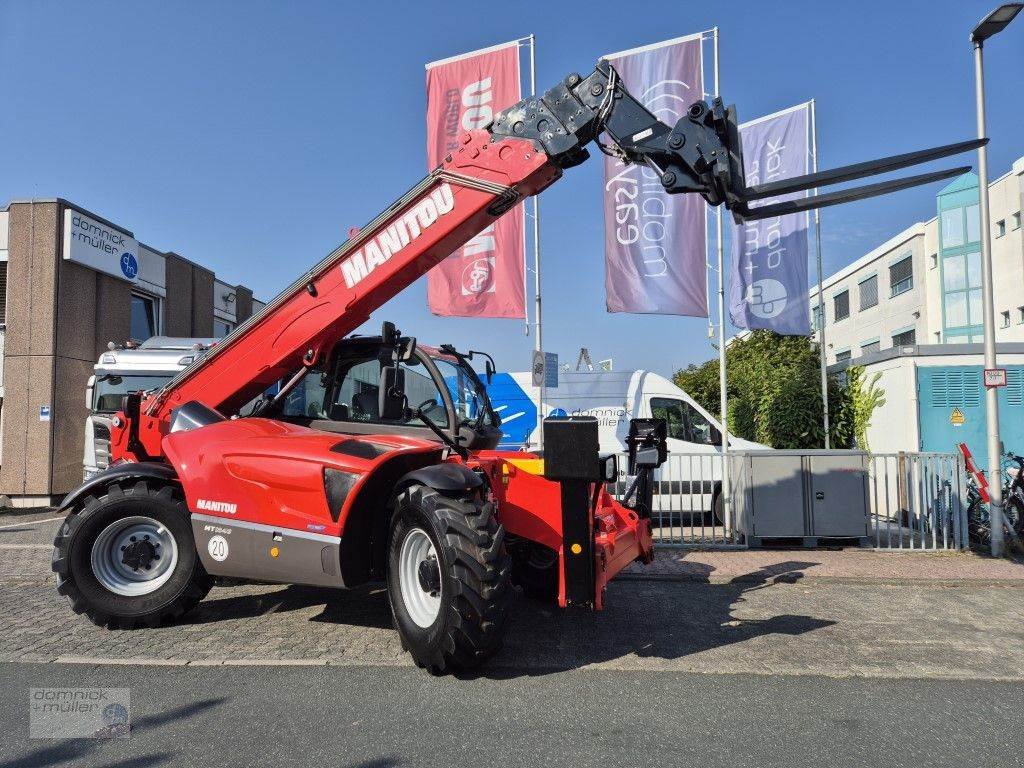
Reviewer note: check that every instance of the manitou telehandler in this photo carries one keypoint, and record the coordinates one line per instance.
(375, 458)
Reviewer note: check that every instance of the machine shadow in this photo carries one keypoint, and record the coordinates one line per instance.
(364, 606)
(658, 619)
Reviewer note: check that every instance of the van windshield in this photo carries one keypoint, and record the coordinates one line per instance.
(111, 387)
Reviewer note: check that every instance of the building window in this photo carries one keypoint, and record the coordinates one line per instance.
(1020, 315)
(901, 276)
(1016, 220)
(222, 328)
(867, 347)
(844, 355)
(1000, 227)
(1005, 319)
(816, 318)
(935, 260)
(144, 317)
(841, 305)
(973, 224)
(904, 338)
(952, 225)
(869, 293)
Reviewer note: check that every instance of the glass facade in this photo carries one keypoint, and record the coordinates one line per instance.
(960, 260)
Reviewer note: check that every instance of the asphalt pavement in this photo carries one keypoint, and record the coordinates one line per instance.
(754, 661)
(373, 716)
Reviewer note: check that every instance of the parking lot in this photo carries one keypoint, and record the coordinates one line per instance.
(696, 656)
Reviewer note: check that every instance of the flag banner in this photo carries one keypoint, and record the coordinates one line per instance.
(769, 257)
(655, 243)
(484, 278)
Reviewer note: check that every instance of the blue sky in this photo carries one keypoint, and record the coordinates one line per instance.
(251, 136)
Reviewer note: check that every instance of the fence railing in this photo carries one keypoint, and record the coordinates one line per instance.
(915, 501)
(683, 510)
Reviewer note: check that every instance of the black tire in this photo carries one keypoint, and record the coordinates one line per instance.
(535, 571)
(187, 584)
(474, 573)
(718, 506)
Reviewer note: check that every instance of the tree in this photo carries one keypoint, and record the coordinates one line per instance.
(865, 396)
(774, 392)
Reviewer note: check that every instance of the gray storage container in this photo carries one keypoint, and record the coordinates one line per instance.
(800, 494)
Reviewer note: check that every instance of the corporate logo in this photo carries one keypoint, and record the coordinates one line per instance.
(393, 238)
(767, 298)
(129, 266)
(217, 506)
(478, 276)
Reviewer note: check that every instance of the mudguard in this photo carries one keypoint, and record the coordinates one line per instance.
(446, 478)
(127, 471)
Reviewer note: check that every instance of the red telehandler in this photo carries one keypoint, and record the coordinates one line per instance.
(375, 458)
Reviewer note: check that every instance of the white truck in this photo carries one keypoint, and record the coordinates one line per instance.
(688, 483)
(129, 369)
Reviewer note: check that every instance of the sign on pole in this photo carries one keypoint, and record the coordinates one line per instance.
(769, 256)
(655, 243)
(484, 278)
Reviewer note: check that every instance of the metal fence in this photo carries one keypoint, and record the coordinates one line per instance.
(915, 501)
(682, 513)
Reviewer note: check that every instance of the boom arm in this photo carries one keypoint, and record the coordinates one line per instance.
(522, 152)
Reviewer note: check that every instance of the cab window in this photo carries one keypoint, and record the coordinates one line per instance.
(684, 421)
(352, 395)
(672, 412)
(702, 431)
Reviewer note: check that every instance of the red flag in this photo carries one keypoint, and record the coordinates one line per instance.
(484, 278)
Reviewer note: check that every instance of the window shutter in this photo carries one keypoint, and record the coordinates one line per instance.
(869, 293)
(842, 305)
(901, 271)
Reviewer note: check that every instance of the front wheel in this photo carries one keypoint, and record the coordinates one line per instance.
(448, 579)
(127, 558)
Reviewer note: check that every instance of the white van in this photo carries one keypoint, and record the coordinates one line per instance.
(688, 482)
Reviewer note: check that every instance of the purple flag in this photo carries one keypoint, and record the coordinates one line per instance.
(654, 243)
(769, 257)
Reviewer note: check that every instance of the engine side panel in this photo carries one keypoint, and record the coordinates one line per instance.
(271, 500)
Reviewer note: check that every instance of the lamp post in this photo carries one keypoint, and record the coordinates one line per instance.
(995, 22)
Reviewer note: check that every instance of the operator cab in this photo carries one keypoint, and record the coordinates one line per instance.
(427, 391)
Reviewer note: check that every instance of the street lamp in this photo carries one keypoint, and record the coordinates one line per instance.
(992, 24)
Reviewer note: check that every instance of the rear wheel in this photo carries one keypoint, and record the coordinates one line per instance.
(448, 579)
(127, 558)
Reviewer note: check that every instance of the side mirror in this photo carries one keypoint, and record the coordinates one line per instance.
(88, 392)
(610, 468)
(407, 348)
(391, 393)
(489, 371)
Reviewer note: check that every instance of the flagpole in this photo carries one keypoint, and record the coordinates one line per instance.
(821, 301)
(723, 394)
(538, 343)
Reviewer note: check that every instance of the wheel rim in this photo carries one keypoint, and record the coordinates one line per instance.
(419, 577)
(134, 556)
